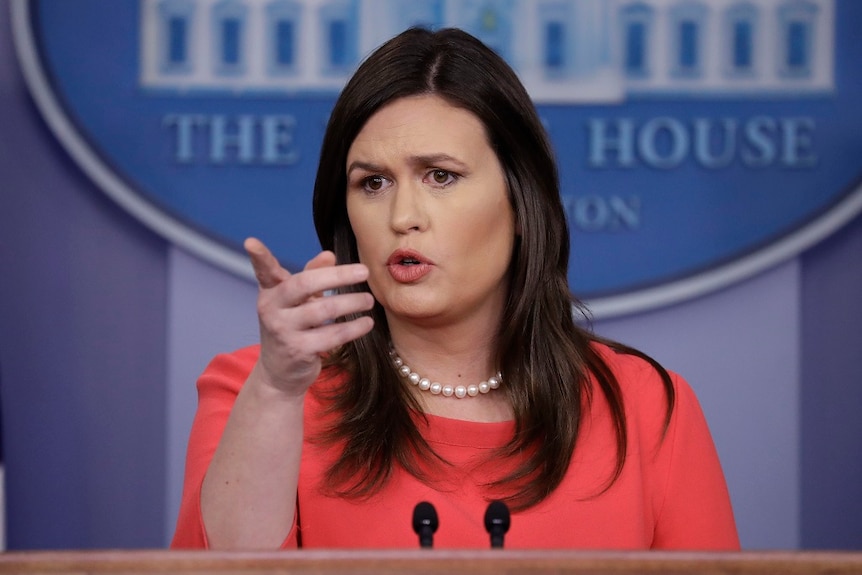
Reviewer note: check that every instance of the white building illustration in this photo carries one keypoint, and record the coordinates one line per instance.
(565, 51)
(727, 46)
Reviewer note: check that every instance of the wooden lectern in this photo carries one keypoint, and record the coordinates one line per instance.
(431, 562)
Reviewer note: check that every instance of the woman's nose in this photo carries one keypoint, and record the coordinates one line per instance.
(408, 211)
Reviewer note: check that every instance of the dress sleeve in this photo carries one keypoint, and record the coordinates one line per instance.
(218, 388)
(695, 512)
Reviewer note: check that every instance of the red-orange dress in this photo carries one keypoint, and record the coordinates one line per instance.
(671, 494)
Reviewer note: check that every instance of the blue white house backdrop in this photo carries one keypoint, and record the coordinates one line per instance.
(698, 141)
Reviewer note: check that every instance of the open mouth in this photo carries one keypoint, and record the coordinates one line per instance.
(408, 266)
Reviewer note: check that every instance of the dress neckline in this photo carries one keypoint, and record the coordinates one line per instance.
(460, 432)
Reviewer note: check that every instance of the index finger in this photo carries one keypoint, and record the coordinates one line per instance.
(267, 270)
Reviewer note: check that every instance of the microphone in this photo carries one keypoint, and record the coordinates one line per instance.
(425, 523)
(497, 522)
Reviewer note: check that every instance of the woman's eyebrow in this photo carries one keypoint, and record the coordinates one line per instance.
(420, 160)
(366, 166)
(432, 159)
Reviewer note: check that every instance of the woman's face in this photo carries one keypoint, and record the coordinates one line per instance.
(428, 204)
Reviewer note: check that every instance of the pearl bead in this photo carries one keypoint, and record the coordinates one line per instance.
(436, 388)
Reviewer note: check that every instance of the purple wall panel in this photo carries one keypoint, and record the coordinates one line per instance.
(82, 328)
(832, 394)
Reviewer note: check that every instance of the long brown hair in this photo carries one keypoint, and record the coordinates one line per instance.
(546, 357)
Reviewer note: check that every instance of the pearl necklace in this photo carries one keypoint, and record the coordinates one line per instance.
(459, 391)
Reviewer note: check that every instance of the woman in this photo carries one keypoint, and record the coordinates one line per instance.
(445, 365)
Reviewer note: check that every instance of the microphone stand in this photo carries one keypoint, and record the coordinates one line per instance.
(497, 522)
(425, 523)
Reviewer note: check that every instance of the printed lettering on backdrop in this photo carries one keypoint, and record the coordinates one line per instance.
(698, 142)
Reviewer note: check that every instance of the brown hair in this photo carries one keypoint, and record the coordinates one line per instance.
(545, 356)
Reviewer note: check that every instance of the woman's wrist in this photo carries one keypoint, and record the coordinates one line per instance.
(263, 387)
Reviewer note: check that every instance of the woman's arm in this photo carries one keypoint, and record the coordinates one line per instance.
(248, 494)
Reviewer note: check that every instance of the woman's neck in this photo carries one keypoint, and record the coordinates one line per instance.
(462, 355)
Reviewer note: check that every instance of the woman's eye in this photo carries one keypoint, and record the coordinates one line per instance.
(374, 183)
(441, 177)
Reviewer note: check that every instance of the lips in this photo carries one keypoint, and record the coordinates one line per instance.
(408, 266)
